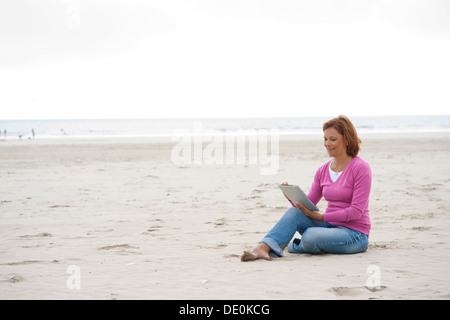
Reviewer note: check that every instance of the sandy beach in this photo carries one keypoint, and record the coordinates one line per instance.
(118, 219)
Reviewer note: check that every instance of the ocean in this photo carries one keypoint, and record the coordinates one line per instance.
(166, 128)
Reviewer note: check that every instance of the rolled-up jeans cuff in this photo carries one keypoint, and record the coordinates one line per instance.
(275, 250)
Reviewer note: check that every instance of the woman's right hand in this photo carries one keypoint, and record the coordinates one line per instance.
(286, 184)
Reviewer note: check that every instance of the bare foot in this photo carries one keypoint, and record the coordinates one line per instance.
(259, 252)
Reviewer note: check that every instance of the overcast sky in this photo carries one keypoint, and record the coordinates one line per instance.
(211, 58)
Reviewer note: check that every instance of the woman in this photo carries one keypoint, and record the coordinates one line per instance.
(345, 182)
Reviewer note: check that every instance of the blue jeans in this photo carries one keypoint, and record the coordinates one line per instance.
(317, 237)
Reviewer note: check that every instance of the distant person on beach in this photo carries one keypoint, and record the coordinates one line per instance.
(345, 182)
(32, 132)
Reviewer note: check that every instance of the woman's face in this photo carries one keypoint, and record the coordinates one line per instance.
(334, 143)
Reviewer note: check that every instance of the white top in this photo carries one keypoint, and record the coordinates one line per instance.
(334, 175)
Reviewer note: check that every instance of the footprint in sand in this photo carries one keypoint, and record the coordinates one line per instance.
(354, 291)
(15, 278)
(231, 255)
(121, 248)
(59, 206)
(39, 235)
(118, 246)
(218, 223)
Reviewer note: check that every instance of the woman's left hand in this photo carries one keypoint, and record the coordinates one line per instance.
(314, 215)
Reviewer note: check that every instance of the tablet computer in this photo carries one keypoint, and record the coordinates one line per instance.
(295, 194)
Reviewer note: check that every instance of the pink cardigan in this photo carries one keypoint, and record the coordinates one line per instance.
(348, 197)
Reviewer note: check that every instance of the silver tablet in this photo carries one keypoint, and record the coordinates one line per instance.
(295, 194)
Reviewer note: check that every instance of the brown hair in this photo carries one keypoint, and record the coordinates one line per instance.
(346, 128)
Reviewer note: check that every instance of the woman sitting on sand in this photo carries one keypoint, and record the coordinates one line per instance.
(345, 183)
